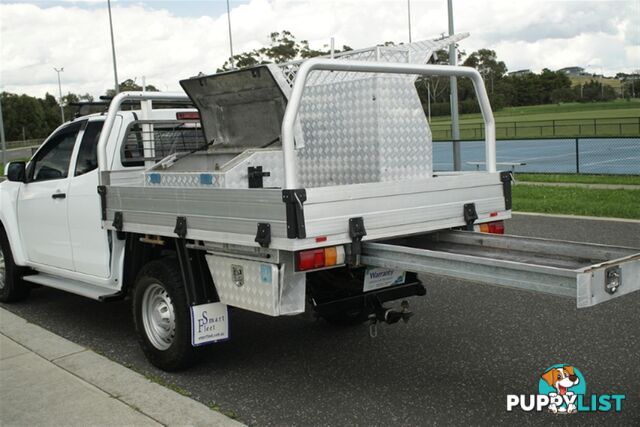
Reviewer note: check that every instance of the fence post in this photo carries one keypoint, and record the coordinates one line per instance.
(595, 127)
(554, 127)
(577, 156)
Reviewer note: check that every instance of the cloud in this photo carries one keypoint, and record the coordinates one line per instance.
(166, 47)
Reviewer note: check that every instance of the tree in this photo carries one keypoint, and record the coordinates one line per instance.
(29, 117)
(487, 64)
(630, 84)
(130, 85)
(595, 91)
(283, 47)
(24, 116)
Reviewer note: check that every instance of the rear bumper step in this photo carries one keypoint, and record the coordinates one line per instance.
(590, 273)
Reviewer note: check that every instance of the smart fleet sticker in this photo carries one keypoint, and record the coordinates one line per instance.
(209, 323)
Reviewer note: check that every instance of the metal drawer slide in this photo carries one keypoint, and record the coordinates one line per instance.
(589, 272)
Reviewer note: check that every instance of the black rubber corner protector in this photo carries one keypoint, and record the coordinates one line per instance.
(294, 200)
(118, 221)
(263, 234)
(181, 227)
(506, 178)
(102, 191)
(470, 215)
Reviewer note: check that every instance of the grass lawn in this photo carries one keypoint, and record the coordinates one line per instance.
(581, 179)
(569, 111)
(578, 80)
(577, 201)
(615, 118)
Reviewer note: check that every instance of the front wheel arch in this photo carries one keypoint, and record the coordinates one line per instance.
(12, 287)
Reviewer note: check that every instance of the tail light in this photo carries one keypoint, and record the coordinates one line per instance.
(188, 115)
(496, 227)
(314, 259)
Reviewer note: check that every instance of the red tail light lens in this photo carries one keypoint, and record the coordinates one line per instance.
(496, 227)
(188, 115)
(320, 258)
(308, 260)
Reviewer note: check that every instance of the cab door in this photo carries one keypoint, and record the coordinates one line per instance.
(89, 241)
(42, 201)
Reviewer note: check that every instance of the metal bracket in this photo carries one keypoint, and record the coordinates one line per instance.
(506, 178)
(118, 221)
(255, 176)
(102, 191)
(294, 200)
(356, 233)
(181, 227)
(263, 235)
(612, 279)
(470, 215)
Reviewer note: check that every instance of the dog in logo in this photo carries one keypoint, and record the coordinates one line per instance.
(562, 379)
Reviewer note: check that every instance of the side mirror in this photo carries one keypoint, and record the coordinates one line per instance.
(16, 171)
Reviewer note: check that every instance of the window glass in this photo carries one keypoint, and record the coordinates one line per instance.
(88, 152)
(52, 161)
(132, 151)
(168, 138)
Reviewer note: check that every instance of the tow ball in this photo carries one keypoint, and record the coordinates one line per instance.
(388, 316)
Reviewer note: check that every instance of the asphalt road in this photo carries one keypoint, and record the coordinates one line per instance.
(19, 153)
(467, 347)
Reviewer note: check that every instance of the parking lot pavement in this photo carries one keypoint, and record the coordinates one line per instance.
(466, 348)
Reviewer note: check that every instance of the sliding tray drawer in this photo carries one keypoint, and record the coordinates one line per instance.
(589, 272)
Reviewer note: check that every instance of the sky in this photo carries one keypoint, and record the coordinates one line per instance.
(166, 41)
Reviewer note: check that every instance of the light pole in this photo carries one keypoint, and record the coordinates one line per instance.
(113, 51)
(453, 83)
(409, 18)
(230, 38)
(59, 70)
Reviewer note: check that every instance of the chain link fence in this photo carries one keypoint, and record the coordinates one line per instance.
(24, 143)
(613, 127)
(593, 155)
(577, 154)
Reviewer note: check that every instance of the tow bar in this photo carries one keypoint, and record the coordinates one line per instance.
(388, 315)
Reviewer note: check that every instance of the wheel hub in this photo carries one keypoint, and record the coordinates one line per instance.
(158, 317)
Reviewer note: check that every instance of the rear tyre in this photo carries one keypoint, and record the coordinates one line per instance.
(12, 287)
(161, 316)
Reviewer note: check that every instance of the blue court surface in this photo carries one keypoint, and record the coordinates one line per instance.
(595, 155)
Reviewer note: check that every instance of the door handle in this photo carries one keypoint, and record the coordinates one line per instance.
(58, 196)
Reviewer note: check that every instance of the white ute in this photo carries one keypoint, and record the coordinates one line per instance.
(307, 184)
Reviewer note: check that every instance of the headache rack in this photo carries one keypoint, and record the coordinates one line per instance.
(304, 147)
